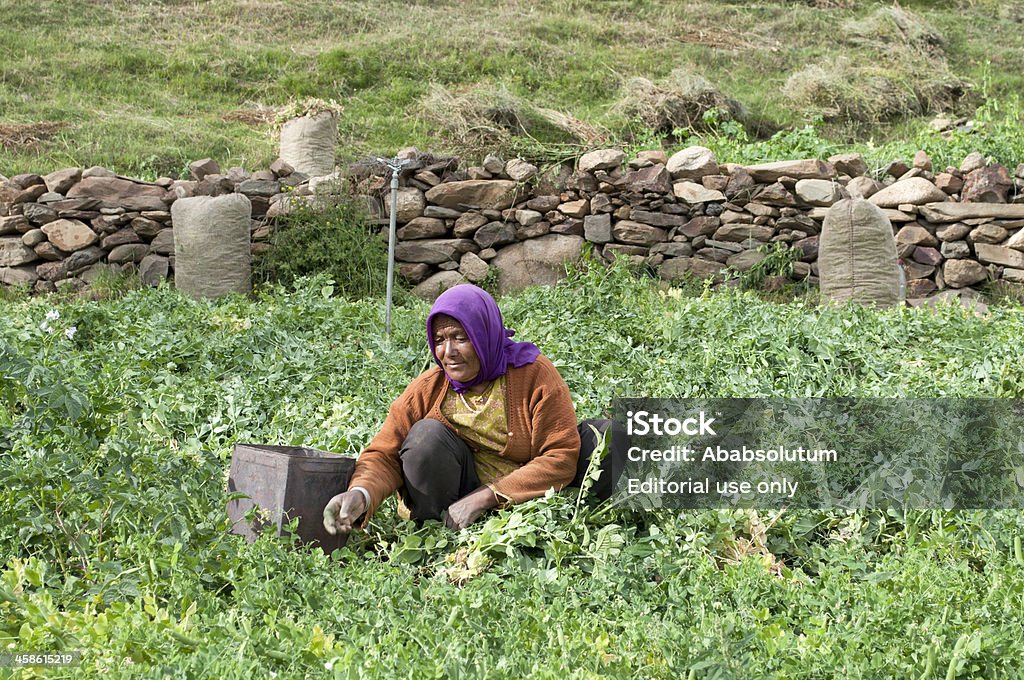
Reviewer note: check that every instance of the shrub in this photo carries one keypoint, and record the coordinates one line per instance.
(335, 239)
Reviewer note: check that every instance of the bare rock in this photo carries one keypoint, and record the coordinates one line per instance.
(652, 179)
(153, 270)
(422, 227)
(973, 161)
(473, 268)
(927, 256)
(862, 187)
(198, 170)
(603, 159)
(60, 181)
(745, 261)
(821, 192)
(129, 252)
(495, 234)
(538, 261)
(14, 253)
(70, 235)
(433, 251)
(14, 224)
(520, 171)
(635, 233)
(955, 250)
(437, 284)
(474, 194)
(163, 243)
(916, 235)
(702, 225)
(988, 233)
(543, 204)
(962, 273)
(38, 214)
(922, 161)
(411, 204)
(957, 212)
(797, 170)
(494, 165)
(694, 193)
(114, 192)
(18, 276)
(915, 191)
(991, 184)
(580, 208)
(119, 238)
(598, 228)
(281, 168)
(413, 272)
(528, 217)
(948, 183)
(851, 164)
(467, 224)
(738, 232)
(692, 163)
(1001, 255)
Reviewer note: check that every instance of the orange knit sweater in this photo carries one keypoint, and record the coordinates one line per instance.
(541, 434)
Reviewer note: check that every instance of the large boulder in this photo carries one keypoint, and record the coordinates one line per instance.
(474, 194)
(537, 261)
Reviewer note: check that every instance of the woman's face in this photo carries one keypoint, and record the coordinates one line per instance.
(454, 350)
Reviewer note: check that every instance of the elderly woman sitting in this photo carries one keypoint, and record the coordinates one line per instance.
(491, 424)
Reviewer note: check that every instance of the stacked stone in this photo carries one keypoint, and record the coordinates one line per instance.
(684, 215)
(689, 215)
(58, 231)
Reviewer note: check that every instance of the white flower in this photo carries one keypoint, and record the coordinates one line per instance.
(70, 332)
(52, 315)
(45, 327)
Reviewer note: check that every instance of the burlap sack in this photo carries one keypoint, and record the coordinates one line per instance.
(211, 245)
(857, 255)
(307, 143)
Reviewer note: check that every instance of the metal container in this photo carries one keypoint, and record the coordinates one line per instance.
(286, 482)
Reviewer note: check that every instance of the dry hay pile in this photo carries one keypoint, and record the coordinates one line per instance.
(485, 117)
(905, 72)
(26, 135)
(679, 101)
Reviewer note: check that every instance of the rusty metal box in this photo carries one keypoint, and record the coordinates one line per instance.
(286, 482)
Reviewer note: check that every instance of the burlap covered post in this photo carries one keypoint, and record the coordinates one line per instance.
(211, 245)
(307, 143)
(857, 255)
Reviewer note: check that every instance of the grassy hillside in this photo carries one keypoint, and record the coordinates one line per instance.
(145, 86)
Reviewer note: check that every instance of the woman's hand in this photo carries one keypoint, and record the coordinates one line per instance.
(467, 509)
(342, 511)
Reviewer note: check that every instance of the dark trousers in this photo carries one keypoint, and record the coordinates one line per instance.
(438, 468)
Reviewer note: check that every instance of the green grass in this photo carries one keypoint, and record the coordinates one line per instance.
(114, 449)
(144, 87)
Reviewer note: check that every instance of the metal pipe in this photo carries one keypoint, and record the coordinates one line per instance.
(395, 164)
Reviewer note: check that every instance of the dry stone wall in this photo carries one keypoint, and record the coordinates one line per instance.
(685, 215)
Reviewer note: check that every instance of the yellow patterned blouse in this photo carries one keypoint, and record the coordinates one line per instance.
(479, 419)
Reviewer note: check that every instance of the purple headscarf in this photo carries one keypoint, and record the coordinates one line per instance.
(478, 313)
